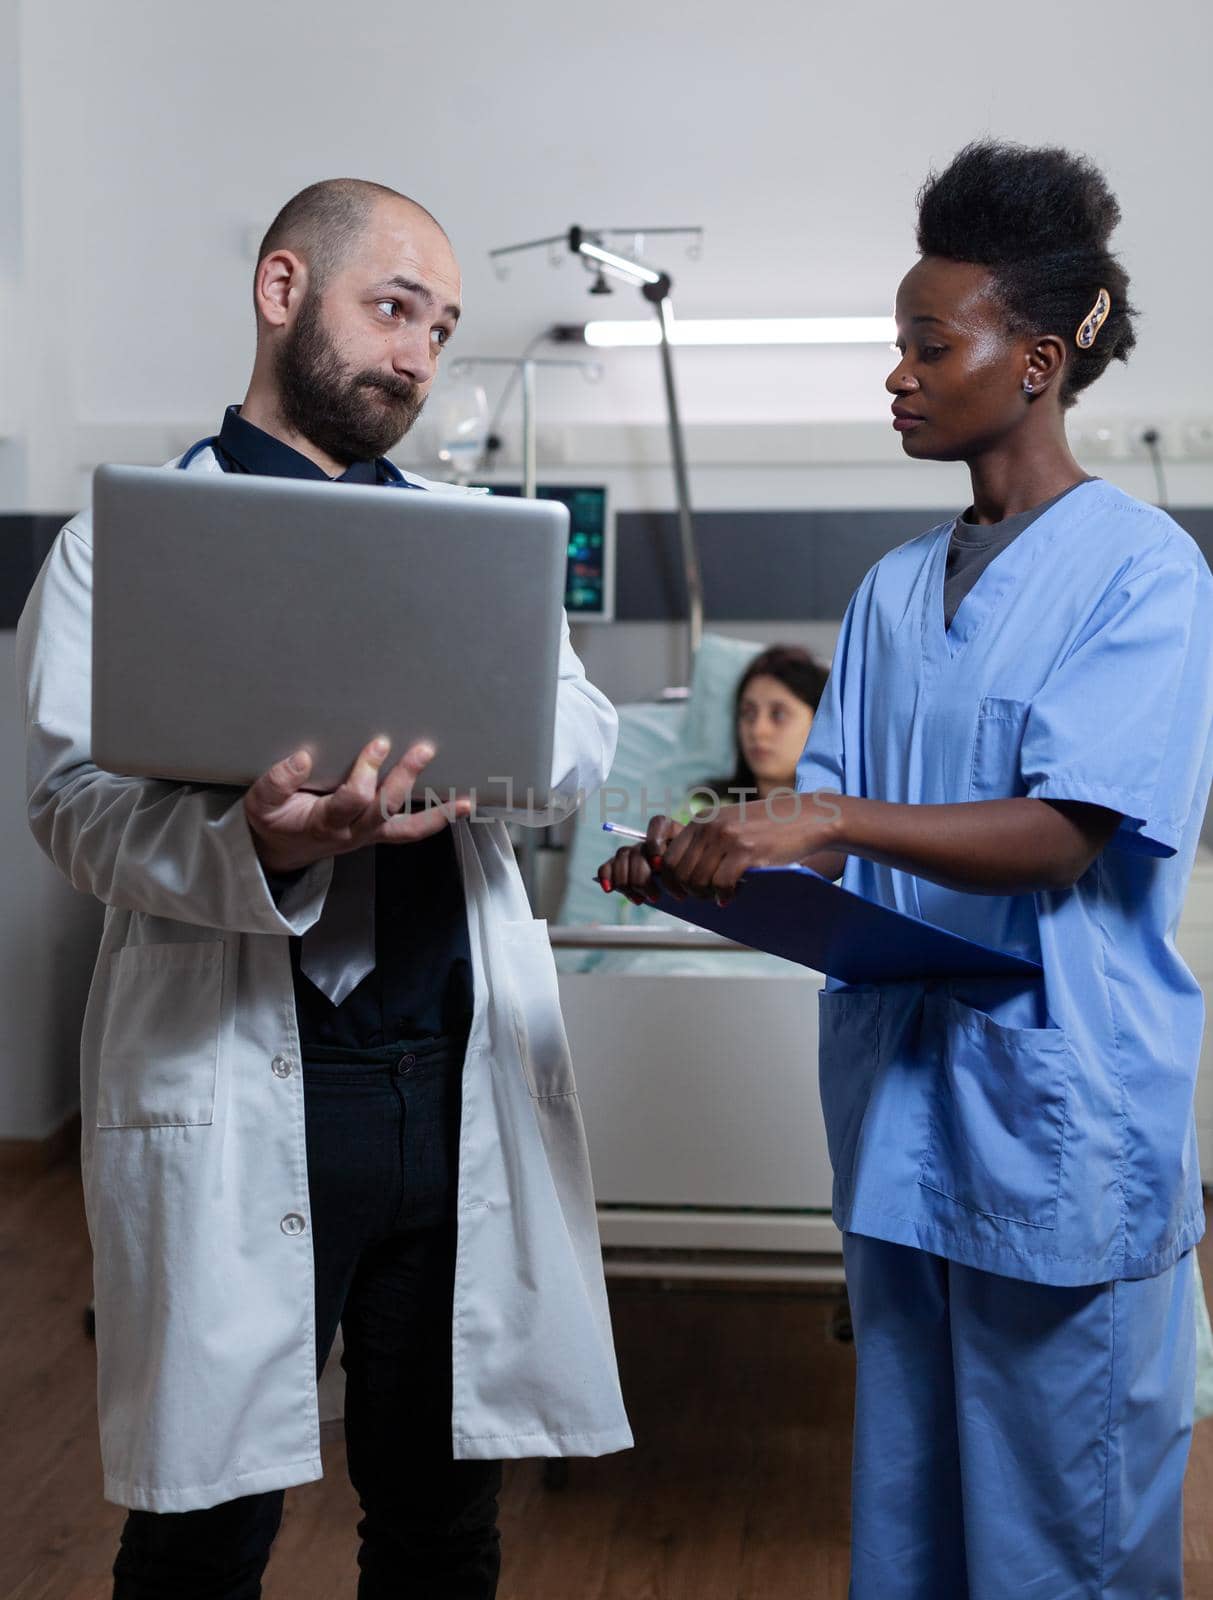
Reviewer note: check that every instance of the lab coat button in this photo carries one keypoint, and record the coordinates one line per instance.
(293, 1224)
(281, 1067)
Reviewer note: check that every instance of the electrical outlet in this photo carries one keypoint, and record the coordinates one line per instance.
(1123, 438)
(1196, 439)
(1166, 438)
(1109, 440)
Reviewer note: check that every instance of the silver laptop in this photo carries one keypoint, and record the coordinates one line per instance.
(238, 618)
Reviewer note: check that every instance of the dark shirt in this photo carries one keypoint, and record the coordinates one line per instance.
(975, 545)
(421, 985)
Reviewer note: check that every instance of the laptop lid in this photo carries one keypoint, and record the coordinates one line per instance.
(237, 618)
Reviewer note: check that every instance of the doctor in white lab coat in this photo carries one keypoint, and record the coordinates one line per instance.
(194, 1149)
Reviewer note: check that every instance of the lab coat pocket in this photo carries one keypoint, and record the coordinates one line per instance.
(995, 774)
(999, 1125)
(535, 999)
(160, 1043)
(848, 1022)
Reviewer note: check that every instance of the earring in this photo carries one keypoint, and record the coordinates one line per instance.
(1027, 386)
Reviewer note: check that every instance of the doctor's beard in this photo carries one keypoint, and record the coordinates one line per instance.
(350, 416)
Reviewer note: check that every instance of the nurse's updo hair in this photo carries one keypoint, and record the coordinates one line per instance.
(1040, 220)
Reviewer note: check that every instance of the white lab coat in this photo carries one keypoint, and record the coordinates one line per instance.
(193, 1152)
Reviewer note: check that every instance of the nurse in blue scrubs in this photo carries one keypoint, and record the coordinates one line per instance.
(1018, 722)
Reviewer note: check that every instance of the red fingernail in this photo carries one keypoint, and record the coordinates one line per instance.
(657, 863)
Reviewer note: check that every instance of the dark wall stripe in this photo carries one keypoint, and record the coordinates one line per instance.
(757, 565)
(776, 565)
(24, 542)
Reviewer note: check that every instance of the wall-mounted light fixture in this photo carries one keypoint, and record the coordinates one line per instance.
(616, 335)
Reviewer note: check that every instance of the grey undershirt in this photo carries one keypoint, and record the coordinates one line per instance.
(975, 544)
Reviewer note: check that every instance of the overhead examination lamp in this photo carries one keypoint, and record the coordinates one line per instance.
(589, 245)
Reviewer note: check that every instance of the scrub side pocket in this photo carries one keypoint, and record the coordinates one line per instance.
(998, 1125)
(535, 999)
(848, 1055)
(160, 1045)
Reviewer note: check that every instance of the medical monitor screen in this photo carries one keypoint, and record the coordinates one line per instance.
(589, 585)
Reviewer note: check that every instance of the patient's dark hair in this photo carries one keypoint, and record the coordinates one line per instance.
(1040, 220)
(800, 673)
(321, 222)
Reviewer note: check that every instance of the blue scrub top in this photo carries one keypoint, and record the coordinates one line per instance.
(1041, 1130)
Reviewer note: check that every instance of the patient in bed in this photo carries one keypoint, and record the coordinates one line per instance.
(747, 718)
(773, 709)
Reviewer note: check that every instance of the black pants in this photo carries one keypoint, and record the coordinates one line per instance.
(382, 1146)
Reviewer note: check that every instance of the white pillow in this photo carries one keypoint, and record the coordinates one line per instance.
(710, 734)
(664, 750)
(645, 765)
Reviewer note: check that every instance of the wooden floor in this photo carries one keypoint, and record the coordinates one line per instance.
(737, 1489)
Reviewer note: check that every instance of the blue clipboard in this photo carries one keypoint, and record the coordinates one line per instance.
(796, 913)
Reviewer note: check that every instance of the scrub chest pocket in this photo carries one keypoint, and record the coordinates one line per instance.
(995, 773)
(160, 1044)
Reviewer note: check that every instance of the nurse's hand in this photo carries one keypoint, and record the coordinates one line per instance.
(709, 856)
(293, 829)
(633, 870)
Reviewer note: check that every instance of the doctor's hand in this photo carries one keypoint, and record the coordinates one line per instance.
(292, 829)
(633, 870)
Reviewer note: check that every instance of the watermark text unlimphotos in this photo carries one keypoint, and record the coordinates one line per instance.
(614, 802)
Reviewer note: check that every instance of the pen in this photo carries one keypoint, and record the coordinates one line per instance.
(625, 833)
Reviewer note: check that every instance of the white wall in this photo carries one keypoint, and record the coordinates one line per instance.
(48, 937)
(158, 137)
(13, 487)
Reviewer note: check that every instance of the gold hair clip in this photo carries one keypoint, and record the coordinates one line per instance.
(1093, 321)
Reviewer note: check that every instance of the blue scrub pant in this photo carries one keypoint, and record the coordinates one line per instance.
(1013, 1439)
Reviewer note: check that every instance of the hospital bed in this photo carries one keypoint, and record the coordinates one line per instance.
(695, 1060)
(700, 1098)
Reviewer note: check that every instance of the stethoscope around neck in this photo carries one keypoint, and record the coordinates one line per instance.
(196, 450)
(395, 479)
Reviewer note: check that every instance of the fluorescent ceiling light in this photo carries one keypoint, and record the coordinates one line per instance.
(746, 330)
(632, 270)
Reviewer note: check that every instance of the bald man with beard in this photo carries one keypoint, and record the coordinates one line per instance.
(359, 1111)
